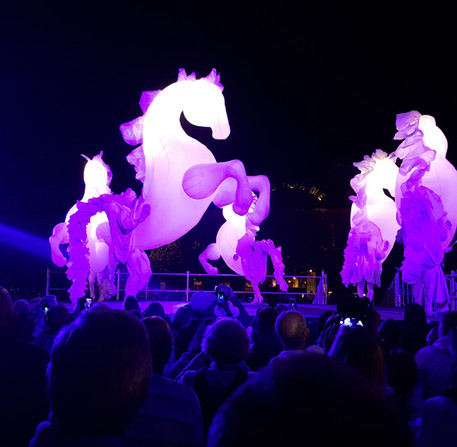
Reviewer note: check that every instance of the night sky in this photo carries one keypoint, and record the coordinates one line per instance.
(305, 89)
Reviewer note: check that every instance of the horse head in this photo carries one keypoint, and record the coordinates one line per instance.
(97, 175)
(434, 137)
(378, 172)
(204, 104)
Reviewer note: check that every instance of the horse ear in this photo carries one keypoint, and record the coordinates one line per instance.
(182, 75)
(215, 78)
(212, 76)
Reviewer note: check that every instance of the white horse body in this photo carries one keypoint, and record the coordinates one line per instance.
(373, 222)
(442, 179)
(181, 176)
(97, 177)
(168, 153)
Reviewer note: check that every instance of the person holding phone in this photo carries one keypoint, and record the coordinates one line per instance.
(228, 304)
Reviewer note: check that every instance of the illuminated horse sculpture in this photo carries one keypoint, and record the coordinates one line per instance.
(373, 222)
(97, 178)
(236, 244)
(427, 207)
(180, 175)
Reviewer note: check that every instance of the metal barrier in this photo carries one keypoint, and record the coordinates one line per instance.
(180, 286)
(452, 283)
(404, 292)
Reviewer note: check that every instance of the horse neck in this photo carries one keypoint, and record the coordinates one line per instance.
(375, 196)
(163, 116)
(95, 191)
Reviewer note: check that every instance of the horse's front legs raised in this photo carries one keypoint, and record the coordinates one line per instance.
(211, 253)
(202, 180)
(226, 194)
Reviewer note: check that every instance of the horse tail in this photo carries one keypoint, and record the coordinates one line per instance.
(78, 251)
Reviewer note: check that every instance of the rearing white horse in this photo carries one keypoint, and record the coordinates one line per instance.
(180, 175)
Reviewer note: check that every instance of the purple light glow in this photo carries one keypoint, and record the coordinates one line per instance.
(24, 241)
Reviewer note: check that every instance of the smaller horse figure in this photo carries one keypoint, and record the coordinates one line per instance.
(373, 222)
(97, 178)
(236, 244)
(124, 213)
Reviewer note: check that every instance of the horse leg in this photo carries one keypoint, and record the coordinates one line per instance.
(91, 280)
(202, 180)
(139, 268)
(210, 253)
(370, 291)
(261, 184)
(361, 288)
(59, 237)
(258, 298)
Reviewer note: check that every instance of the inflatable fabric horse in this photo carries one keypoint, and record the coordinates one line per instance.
(124, 215)
(180, 175)
(236, 244)
(427, 207)
(97, 178)
(373, 223)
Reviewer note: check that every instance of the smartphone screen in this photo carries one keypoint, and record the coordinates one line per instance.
(347, 321)
(220, 297)
(88, 303)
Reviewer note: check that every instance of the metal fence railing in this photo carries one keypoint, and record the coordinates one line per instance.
(404, 293)
(180, 286)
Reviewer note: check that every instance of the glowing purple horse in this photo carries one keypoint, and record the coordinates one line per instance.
(180, 175)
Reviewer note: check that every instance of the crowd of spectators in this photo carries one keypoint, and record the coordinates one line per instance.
(210, 374)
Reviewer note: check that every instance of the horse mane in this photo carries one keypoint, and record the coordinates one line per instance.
(213, 77)
(366, 166)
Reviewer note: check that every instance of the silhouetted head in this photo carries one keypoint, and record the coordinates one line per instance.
(57, 317)
(200, 301)
(292, 330)
(448, 321)
(358, 348)
(154, 309)
(160, 342)
(195, 343)
(389, 333)
(99, 373)
(131, 305)
(402, 374)
(264, 321)
(226, 342)
(182, 316)
(307, 395)
(414, 316)
(23, 320)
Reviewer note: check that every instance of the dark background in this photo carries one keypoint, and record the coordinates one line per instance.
(309, 89)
